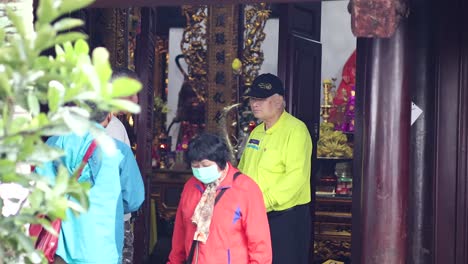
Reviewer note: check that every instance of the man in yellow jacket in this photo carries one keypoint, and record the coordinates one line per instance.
(278, 158)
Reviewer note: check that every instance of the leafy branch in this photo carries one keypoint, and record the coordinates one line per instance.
(63, 84)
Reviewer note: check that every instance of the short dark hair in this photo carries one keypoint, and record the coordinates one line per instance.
(208, 146)
(97, 114)
(124, 72)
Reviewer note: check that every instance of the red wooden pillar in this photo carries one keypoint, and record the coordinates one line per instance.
(384, 107)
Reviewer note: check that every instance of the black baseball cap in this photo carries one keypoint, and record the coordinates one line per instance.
(265, 85)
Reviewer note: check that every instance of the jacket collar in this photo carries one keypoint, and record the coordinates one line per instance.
(227, 182)
(278, 123)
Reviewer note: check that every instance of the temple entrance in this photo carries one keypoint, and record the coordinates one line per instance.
(160, 44)
(438, 191)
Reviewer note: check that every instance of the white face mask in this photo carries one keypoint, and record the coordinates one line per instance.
(207, 174)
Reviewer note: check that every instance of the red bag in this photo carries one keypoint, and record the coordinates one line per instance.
(48, 242)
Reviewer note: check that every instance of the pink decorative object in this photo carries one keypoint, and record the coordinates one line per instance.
(348, 123)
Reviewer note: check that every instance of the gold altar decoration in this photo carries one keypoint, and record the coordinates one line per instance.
(327, 100)
(332, 249)
(255, 17)
(222, 43)
(194, 46)
(332, 144)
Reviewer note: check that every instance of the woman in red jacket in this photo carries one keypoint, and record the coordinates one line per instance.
(221, 216)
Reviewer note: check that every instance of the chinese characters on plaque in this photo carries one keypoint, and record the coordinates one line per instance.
(222, 49)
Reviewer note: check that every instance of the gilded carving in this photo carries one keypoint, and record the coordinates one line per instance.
(121, 40)
(160, 73)
(335, 249)
(255, 19)
(134, 23)
(113, 30)
(194, 47)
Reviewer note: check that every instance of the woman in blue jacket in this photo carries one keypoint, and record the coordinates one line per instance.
(96, 236)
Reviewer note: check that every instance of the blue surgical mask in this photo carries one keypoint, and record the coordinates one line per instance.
(206, 174)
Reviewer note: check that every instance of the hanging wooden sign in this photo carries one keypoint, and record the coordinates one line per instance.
(222, 49)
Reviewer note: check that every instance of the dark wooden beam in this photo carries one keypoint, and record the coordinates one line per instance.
(451, 129)
(150, 3)
(362, 56)
(144, 63)
(421, 79)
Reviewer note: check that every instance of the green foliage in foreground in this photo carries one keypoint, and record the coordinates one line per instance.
(65, 83)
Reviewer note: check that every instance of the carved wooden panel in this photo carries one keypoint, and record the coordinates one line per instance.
(110, 29)
(160, 73)
(166, 188)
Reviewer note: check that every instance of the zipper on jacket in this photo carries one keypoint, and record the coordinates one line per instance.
(229, 255)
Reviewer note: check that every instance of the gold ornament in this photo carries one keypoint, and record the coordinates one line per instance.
(236, 66)
(255, 19)
(333, 144)
(327, 99)
(194, 47)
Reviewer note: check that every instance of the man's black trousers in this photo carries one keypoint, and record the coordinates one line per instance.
(290, 234)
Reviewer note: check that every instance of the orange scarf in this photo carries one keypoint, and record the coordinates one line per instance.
(204, 210)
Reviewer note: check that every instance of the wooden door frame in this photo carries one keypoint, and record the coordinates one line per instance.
(445, 190)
